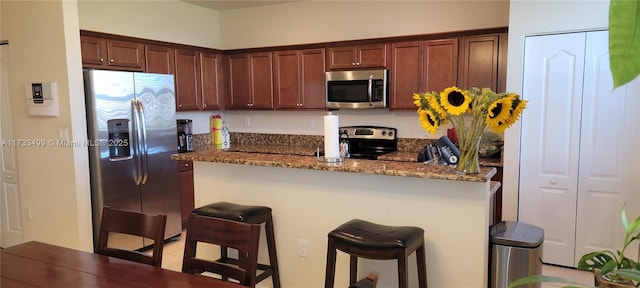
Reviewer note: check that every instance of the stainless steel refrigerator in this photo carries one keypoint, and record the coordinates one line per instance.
(132, 134)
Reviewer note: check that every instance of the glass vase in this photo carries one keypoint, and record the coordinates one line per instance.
(468, 162)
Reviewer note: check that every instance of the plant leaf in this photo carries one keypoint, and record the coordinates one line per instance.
(595, 260)
(624, 40)
(628, 274)
(541, 278)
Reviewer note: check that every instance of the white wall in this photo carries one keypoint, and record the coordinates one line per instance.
(53, 180)
(170, 20)
(323, 21)
(535, 18)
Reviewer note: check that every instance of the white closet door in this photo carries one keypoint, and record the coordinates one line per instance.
(609, 157)
(550, 140)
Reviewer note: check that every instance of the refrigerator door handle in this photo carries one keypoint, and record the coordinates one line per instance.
(136, 137)
(145, 150)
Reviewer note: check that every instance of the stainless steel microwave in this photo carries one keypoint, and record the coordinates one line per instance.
(357, 89)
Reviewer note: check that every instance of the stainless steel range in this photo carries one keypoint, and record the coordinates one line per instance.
(369, 142)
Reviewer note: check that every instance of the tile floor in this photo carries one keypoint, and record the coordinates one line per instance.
(172, 260)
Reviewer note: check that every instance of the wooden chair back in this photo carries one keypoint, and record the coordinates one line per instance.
(132, 223)
(234, 234)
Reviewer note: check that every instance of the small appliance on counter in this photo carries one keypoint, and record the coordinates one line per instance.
(185, 135)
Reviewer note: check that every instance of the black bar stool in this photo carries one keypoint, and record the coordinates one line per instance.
(251, 215)
(360, 238)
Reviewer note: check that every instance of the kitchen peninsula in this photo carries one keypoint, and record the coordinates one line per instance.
(310, 198)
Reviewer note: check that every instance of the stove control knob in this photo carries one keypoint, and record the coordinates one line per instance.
(384, 133)
(390, 133)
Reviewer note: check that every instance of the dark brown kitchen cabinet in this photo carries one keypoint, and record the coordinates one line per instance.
(112, 54)
(356, 57)
(250, 81)
(299, 79)
(198, 76)
(478, 65)
(421, 66)
(186, 80)
(210, 80)
(160, 60)
(186, 187)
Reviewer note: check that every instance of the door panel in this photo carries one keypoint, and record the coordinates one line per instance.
(608, 172)
(550, 140)
(11, 230)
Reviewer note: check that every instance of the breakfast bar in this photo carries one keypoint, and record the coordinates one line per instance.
(309, 198)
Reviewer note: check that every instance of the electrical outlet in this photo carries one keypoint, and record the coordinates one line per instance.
(303, 247)
(247, 122)
(312, 123)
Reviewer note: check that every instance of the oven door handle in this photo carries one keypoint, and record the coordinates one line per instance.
(370, 90)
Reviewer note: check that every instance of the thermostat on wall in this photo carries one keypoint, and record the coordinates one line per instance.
(42, 99)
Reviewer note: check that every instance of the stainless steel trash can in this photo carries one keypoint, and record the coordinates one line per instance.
(516, 252)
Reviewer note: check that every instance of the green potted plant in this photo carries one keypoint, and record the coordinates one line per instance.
(612, 269)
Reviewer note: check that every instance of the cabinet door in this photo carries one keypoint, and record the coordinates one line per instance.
(440, 64)
(406, 74)
(313, 81)
(287, 79)
(372, 56)
(186, 187)
(342, 57)
(210, 79)
(261, 80)
(94, 51)
(478, 62)
(187, 90)
(239, 79)
(126, 55)
(160, 60)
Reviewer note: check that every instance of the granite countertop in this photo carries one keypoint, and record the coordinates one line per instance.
(413, 157)
(304, 158)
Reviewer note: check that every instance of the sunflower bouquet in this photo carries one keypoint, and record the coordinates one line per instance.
(470, 112)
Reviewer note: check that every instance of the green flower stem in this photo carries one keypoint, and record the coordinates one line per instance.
(468, 140)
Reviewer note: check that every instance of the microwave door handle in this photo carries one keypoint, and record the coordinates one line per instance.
(370, 90)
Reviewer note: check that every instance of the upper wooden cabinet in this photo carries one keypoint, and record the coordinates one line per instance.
(421, 66)
(188, 93)
(211, 79)
(355, 57)
(198, 78)
(112, 54)
(479, 61)
(250, 81)
(299, 79)
(160, 59)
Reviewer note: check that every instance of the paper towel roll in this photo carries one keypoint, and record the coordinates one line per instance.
(331, 136)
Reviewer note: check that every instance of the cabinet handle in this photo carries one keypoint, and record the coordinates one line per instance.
(186, 164)
(353, 64)
(179, 105)
(101, 59)
(111, 61)
(554, 182)
(204, 105)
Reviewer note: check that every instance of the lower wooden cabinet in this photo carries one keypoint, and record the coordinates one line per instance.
(187, 204)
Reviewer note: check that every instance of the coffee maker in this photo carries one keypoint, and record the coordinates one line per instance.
(185, 136)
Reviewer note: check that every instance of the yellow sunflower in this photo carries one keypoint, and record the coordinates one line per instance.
(455, 100)
(517, 108)
(499, 111)
(434, 103)
(428, 120)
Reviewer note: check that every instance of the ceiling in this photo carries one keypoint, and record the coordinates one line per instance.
(233, 4)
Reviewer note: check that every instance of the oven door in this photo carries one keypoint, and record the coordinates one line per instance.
(361, 89)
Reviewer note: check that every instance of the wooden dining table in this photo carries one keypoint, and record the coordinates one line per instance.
(37, 264)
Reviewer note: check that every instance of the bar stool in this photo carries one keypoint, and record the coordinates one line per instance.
(251, 215)
(360, 238)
